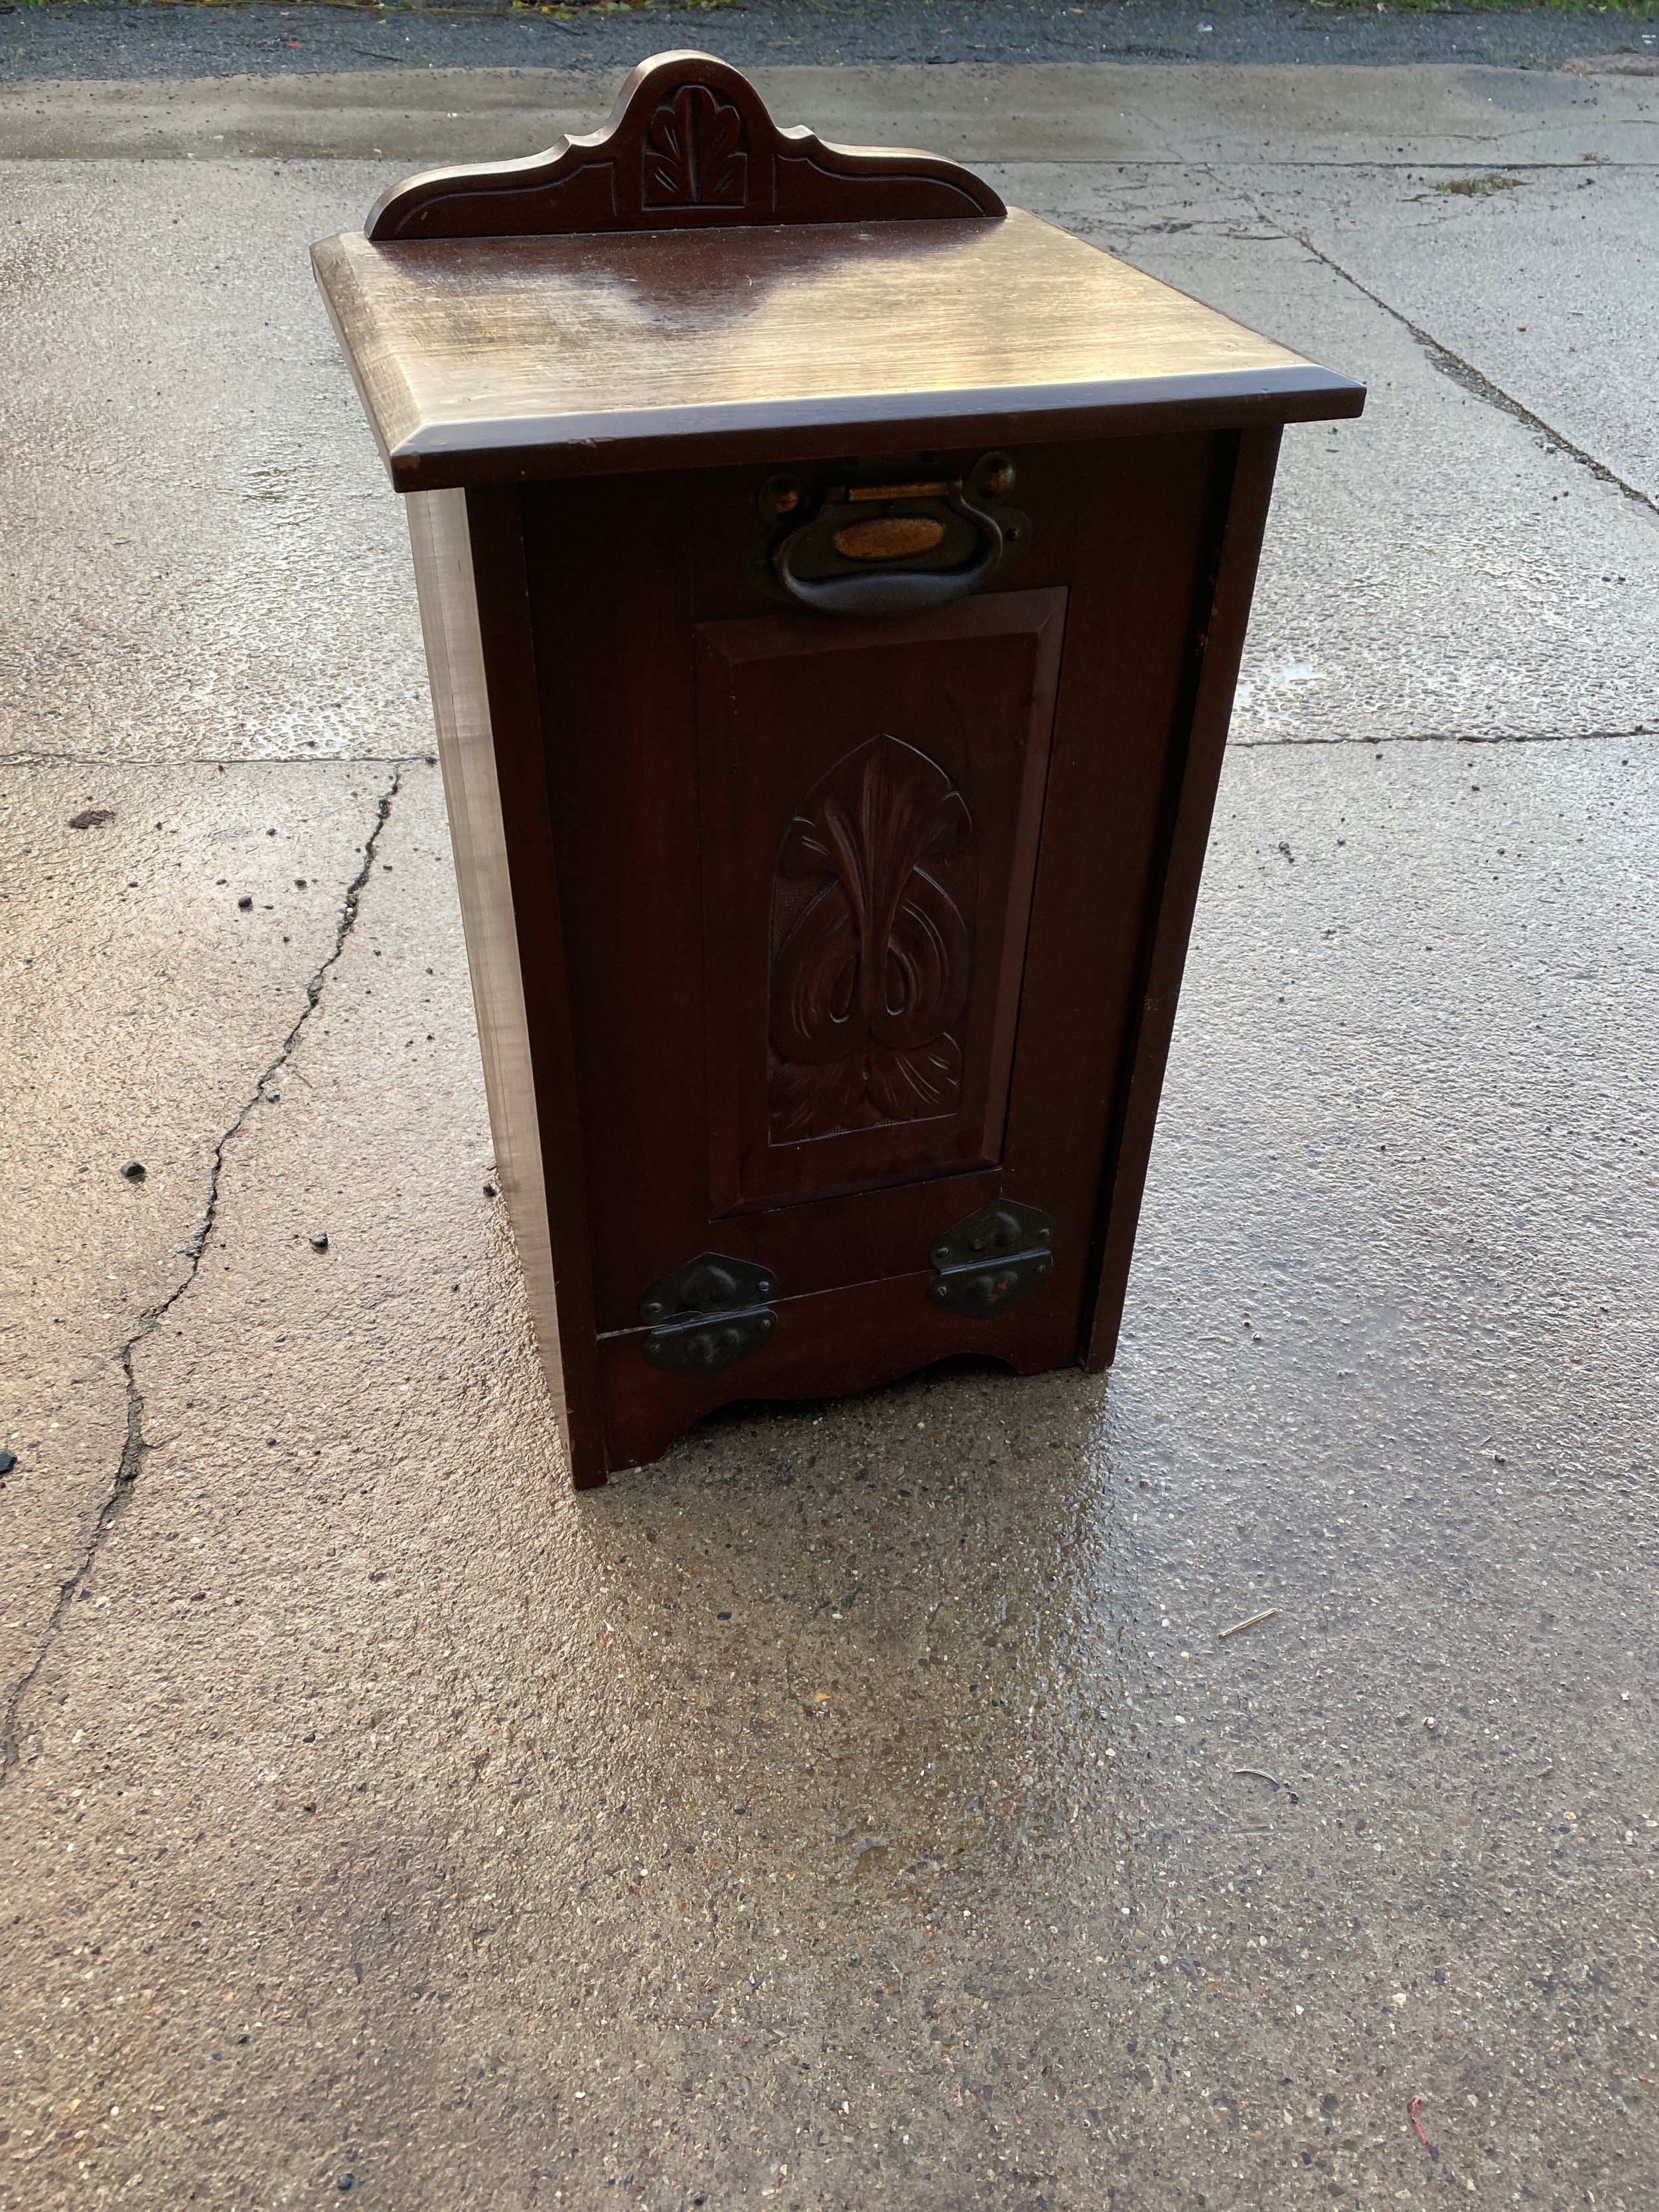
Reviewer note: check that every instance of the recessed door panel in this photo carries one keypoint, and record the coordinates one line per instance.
(871, 799)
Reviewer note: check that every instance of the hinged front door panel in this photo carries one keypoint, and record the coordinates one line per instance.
(871, 799)
(853, 912)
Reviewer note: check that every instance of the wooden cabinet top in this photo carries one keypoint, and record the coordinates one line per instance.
(717, 290)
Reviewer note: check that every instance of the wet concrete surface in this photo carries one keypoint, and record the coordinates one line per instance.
(180, 577)
(1459, 115)
(1497, 577)
(1534, 274)
(865, 1806)
(864, 1790)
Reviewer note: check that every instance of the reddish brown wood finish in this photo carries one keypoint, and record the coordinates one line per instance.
(1245, 468)
(799, 939)
(499, 359)
(813, 735)
(874, 1331)
(658, 882)
(690, 146)
(503, 604)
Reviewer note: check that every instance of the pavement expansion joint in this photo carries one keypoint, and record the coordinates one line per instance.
(1450, 738)
(104, 762)
(1464, 372)
(1362, 164)
(133, 1450)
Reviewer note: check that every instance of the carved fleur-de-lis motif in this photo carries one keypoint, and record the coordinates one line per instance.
(871, 952)
(693, 152)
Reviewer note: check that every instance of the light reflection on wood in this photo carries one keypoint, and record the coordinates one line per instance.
(482, 344)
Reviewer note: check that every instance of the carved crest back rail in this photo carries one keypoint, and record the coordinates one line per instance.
(833, 584)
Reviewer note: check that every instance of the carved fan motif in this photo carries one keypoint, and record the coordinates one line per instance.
(871, 949)
(690, 146)
(692, 156)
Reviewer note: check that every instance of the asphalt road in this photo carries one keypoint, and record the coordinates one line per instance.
(87, 40)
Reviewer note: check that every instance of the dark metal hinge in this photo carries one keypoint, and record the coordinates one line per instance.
(709, 1313)
(993, 1260)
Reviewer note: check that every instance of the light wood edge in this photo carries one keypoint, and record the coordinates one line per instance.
(441, 539)
(1146, 1049)
(544, 447)
(383, 388)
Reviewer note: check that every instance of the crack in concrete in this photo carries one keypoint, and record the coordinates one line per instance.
(133, 1450)
(1466, 373)
(1454, 737)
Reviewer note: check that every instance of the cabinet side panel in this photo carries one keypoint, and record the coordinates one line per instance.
(1195, 772)
(438, 532)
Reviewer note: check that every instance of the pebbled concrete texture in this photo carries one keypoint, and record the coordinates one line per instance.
(865, 1806)
(865, 1791)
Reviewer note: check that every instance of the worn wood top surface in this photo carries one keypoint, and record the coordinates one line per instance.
(493, 358)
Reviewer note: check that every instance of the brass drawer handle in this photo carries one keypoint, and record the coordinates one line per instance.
(890, 538)
(888, 549)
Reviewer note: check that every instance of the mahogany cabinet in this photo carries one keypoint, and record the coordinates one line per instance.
(834, 585)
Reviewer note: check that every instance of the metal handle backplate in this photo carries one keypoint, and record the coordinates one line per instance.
(897, 543)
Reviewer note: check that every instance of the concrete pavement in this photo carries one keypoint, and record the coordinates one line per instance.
(860, 1807)
(1451, 112)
